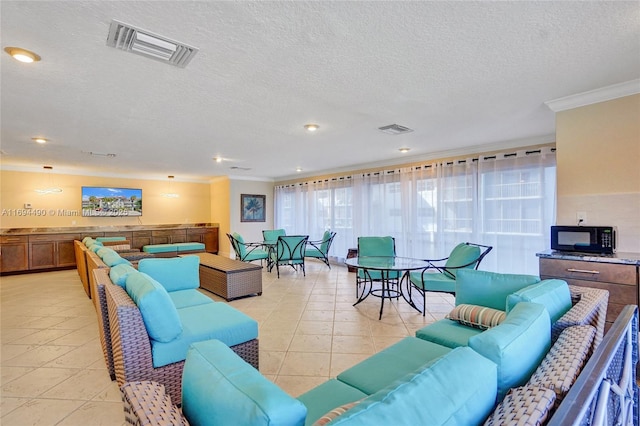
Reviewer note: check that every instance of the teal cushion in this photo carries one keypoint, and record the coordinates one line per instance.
(489, 289)
(160, 248)
(112, 259)
(87, 241)
(104, 250)
(203, 322)
(391, 364)
(462, 254)
(439, 394)
(329, 395)
(219, 388)
(95, 246)
(159, 315)
(189, 246)
(174, 273)
(241, 247)
(517, 345)
(186, 298)
(103, 239)
(447, 333)
(552, 294)
(433, 281)
(119, 273)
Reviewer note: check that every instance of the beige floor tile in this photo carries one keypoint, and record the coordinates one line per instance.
(37, 356)
(352, 328)
(80, 357)
(8, 404)
(271, 361)
(41, 412)
(96, 413)
(353, 345)
(85, 385)
(110, 393)
(36, 382)
(305, 364)
(310, 343)
(315, 327)
(275, 341)
(319, 315)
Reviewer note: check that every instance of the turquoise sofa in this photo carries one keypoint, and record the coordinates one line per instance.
(419, 380)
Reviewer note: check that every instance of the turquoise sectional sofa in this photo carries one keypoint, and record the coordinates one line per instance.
(455, 372)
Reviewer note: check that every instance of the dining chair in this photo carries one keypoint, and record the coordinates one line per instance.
(247, 252)
(289, 250)
(442, 278)
(375, 246)
(271, 235)
(320, 249)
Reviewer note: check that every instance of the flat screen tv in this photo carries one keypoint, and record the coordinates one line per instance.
(111, 202)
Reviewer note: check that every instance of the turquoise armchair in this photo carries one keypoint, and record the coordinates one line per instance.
(289, 250)
(271, 235)
(442, 278)
(247, 252)
(320, 249)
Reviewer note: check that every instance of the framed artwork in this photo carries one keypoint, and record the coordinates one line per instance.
(252, 208)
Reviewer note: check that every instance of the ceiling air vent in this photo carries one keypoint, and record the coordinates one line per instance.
(142, 42)
(395, 129)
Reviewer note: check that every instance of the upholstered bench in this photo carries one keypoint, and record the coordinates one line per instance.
(184, 248)
(172, 250)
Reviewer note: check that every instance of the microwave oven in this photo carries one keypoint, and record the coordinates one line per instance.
(586, 239)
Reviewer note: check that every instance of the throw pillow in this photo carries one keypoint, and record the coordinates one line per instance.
(477, 316)
(336, 412)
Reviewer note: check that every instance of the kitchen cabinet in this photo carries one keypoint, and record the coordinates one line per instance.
(52, 251)
(140, 239)
(205, 235)
(14, 253)
(620, 279)
(168, 236)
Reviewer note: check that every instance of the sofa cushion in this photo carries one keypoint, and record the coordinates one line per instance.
(326, 397)
(552, 294)
(438, 394)
(392, 363)
(159, 315)
(335, 413)
(112, 258)
(104, 250)
(219, 387)
(517, 346)
(174, 273)
(476, 316)
(119, 273)
(95, 246)
(86, 241)
(160, 248)
(186, 298)
(489, 289)
(189, 246)
(448, 333)
(109, 239)
(203, 322)
(462, 254)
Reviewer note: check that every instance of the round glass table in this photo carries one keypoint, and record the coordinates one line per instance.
(389, 271)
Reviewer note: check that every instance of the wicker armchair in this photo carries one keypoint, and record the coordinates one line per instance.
(131, 346)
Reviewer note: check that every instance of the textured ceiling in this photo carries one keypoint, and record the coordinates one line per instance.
(463, 75)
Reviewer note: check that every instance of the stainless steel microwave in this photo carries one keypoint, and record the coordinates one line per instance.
(586, 239)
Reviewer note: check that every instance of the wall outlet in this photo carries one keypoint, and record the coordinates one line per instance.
(581, 218)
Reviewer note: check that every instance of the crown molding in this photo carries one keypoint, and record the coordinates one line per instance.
(595, 96)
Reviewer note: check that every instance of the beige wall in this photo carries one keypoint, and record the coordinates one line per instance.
(598, 155)
(220, 196)
(18, 188)
(250, 231)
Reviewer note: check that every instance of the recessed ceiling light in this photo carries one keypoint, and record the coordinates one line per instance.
(22, 55)
(311, 127)
(218, 159)
(298, 169)
(404, 150)
(40, 140)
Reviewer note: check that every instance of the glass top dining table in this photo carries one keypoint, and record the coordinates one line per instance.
(389, 269)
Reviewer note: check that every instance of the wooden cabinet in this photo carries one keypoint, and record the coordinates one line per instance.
(621, 280)
(208, 236)
(52, 251)
(140, 239)
(14, 253)
(169, 236)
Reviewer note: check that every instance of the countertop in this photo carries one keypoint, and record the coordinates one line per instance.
(87, 229)
(620, 257)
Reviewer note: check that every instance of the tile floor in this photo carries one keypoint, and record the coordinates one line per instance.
(53, 370)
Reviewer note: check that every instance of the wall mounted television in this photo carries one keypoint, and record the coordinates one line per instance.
(111, 202)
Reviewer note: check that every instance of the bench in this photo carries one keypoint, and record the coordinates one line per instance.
(174, 249)
(229, 278)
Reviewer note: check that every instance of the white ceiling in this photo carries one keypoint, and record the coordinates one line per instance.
(464, 75)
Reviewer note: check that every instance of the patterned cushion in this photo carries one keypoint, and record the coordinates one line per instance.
(477, 316)
(338, 411)
(523, 406)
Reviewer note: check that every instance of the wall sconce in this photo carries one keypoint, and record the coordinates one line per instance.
(170, 193)
(52, 189)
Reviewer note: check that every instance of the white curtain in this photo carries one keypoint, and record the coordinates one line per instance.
(505, 200)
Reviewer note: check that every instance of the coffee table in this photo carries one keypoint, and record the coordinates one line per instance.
(229, 278)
